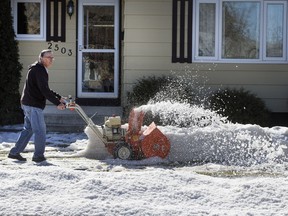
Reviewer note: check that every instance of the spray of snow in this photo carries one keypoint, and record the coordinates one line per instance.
(95, 149)
(210, 138)
(200, 134)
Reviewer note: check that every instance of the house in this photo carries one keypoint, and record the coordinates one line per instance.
(102, 47)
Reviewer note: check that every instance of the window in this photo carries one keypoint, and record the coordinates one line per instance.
(29, 19)
(275, 30)
(240, 31)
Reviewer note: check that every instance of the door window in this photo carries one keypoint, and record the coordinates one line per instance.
(98, 73)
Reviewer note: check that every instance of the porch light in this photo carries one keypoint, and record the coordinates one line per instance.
(70, 8)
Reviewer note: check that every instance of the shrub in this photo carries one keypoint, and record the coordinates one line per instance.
(240, 106)
(10, 70)
(182, 89)
(172, 88)
(145, 89)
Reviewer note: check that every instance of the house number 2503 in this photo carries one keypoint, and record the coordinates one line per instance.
(56, 48)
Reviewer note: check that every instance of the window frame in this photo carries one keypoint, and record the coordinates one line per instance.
(284, 58)
(218, 33)
(36, 37)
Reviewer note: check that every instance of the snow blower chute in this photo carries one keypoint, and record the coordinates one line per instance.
(132, 143)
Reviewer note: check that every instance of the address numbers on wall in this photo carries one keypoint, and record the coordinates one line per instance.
(56, 48)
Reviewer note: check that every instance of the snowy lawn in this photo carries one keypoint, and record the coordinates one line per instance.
(217, 169)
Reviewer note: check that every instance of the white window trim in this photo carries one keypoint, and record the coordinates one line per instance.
(218, 41)
(38, 37)
(196, 32)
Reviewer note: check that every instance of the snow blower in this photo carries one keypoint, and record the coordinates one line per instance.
(132, 143)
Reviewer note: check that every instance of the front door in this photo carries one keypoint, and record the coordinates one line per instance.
(98, 49)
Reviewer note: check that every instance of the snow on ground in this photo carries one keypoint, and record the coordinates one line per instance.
(216, 168)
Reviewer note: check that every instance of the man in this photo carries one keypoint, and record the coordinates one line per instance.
(33, 102)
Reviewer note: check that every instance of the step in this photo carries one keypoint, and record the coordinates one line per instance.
(70, 121)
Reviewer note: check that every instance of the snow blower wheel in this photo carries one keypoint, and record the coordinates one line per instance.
(123, 151)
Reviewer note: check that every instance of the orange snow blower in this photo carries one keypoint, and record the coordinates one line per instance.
(132, 143)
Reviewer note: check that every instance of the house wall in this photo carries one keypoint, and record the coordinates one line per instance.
(62, 74)
(147, 40)
(146, 51)
(147, 26)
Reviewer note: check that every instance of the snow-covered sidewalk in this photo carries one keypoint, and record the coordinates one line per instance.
(69, 185)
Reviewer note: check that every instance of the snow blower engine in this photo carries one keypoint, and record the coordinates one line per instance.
(127, 143)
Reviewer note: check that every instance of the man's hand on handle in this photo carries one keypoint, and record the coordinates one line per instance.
(61, 106)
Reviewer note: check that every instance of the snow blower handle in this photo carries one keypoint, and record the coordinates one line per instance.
(70, 104)
(66, 101)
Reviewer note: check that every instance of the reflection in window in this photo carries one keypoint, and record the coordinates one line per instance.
(99, 27)
(240, 30)
(207, 30)
(274, 32)
(98, 72)
(28, 19)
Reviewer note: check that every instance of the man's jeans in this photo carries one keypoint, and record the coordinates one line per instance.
(33, 124)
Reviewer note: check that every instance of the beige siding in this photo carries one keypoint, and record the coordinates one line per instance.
(62, 74)
(147, 40)
(148, 7)
(147, 52)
